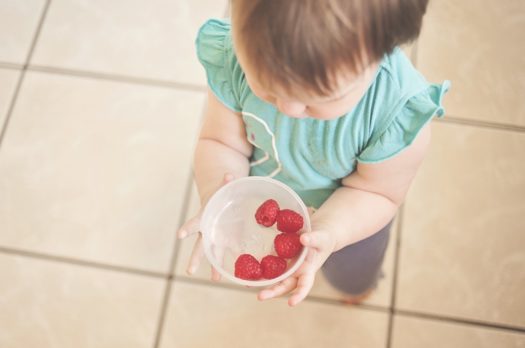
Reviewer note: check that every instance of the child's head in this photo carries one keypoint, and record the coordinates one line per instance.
(318, 57)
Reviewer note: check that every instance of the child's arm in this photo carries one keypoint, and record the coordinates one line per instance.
(366, 202)
(370, 197)
(222, 148)
(222, 151)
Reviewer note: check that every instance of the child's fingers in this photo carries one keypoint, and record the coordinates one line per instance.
(190, 227)
(196, 256)
(279, 289)
(313, 262)
(304, 285)
(215, 275)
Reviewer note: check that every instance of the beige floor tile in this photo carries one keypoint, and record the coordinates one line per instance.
(462, 244)
(203, 316)
(479, 46)
(152, 39)
(55, 305)
(321, 287)
(8, 80)
(18, 23)
(415, 333)
(96, 170)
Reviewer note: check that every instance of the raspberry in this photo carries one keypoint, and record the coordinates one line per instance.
(267, 213)
(273, 266)
(289, 221)
(247, 267)
(287, 245)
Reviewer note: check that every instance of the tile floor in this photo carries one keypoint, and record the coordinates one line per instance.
(99, 107)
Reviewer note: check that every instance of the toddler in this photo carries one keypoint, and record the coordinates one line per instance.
(317, 94)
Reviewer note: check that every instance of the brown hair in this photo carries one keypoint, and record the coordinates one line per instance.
(307, 42)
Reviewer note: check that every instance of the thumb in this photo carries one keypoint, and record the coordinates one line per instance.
(317, 240)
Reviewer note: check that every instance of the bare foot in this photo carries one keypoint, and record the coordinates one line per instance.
(356, 299)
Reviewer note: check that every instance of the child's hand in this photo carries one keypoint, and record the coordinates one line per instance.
(192, 226)
(320, 244)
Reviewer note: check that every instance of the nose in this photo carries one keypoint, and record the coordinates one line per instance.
(291, 108)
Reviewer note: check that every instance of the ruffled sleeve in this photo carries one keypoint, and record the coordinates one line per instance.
(214, 50)
(408, 119)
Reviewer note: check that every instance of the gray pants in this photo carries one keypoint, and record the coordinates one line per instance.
(357, 267)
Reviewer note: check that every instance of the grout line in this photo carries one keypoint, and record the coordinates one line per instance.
(3, 128)
(162, 313)
(469, 322)
(201, 282)
(182, 216)
(187, 196)
(167, 289)
(394, 279)
(79, 262)
(482, 124)
(37, 33)
(13, 66)
(374, 308)
(117, 78)
(174, 255)
(390, 332)
(198, 88)
(313, 299)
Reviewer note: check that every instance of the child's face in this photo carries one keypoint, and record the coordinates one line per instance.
(350, 90)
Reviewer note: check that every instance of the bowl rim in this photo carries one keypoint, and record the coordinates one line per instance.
(264, 282)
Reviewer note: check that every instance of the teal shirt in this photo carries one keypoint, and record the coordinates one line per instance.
(312, 156)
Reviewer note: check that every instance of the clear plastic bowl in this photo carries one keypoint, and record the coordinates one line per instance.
(229, 228)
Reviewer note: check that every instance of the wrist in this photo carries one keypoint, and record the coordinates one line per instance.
(330, 229)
